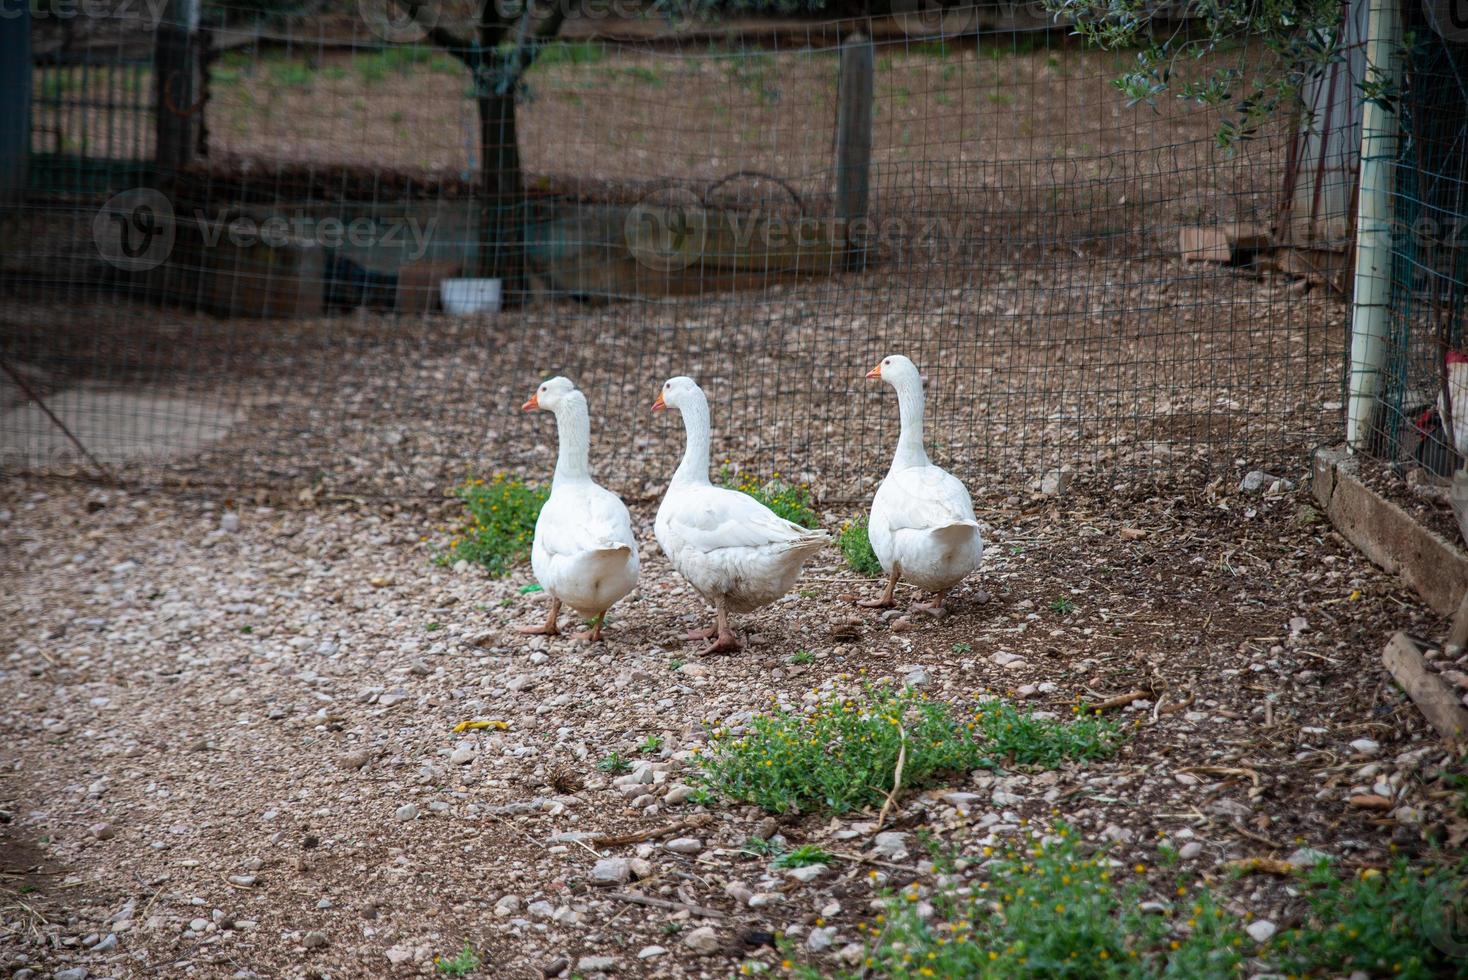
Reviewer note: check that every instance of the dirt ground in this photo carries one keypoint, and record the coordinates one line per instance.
(228, 746)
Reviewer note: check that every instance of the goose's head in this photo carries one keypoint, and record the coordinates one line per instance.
(549, 395)
(897, 371)
(677, 393)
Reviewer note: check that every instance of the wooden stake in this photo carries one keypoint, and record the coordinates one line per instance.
(1429, 692)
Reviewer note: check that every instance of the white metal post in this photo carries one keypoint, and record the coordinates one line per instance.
(1372, 293)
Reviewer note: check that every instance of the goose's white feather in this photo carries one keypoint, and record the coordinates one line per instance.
(584, 552)
(730, 547)
(922, 521)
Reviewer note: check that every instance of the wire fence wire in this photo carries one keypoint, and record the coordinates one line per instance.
(679, 215)
(1429, 261)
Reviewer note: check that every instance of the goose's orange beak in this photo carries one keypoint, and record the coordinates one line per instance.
(875, 374)
(659, 405)
(533, 403)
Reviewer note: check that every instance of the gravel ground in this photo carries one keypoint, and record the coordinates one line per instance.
(228, 750)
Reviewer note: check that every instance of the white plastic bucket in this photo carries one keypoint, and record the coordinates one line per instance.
(462, 297)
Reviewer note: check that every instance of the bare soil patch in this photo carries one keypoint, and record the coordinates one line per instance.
(262, 721)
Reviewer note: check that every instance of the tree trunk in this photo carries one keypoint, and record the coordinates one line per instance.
(501, 253)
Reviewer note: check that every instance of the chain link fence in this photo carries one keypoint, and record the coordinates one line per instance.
(768, 206)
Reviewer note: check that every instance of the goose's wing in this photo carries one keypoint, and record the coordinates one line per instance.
(713, 518)
(593, 519)
(926, 497)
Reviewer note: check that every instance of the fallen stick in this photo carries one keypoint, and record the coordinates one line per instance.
(1428, 691)
(1120, 701)
(1260, 838)
(896, 778)
(1222, 771)
(616, 840)
(860, 859)
(663, 903)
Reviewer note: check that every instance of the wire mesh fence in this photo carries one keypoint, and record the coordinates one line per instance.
(1085, 283)
(1424, 399)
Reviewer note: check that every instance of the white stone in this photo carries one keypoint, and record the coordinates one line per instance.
(702, 940)
(821, 939)
(807, 874)
(611, 871)
(891, 845)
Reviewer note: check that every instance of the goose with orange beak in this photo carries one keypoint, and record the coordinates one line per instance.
(735, 552)
(584, 554)
(922, 525)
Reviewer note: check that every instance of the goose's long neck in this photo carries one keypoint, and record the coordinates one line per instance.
(573, 427)
(910, 451)
(695, 465)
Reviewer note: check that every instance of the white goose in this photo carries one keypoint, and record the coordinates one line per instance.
(735, 551)
(922, 526)
(584, 553)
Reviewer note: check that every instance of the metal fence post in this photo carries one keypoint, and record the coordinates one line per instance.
(177, 85)
(854, 144)
(15, 89)
(1372, 295)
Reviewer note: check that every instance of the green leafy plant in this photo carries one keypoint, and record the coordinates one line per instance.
(1299, 34)
(675, 664)
(499, 526)
(789, 500)
(1022, 739)
(802, 857)
(651, 744)
(613, 762)
(843, 754)
(1381, 923)
(759, 847)
(1063, 605)
(856, 546)
(802, 657)
(1049, 908)
(466, 961)
(963, 648)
